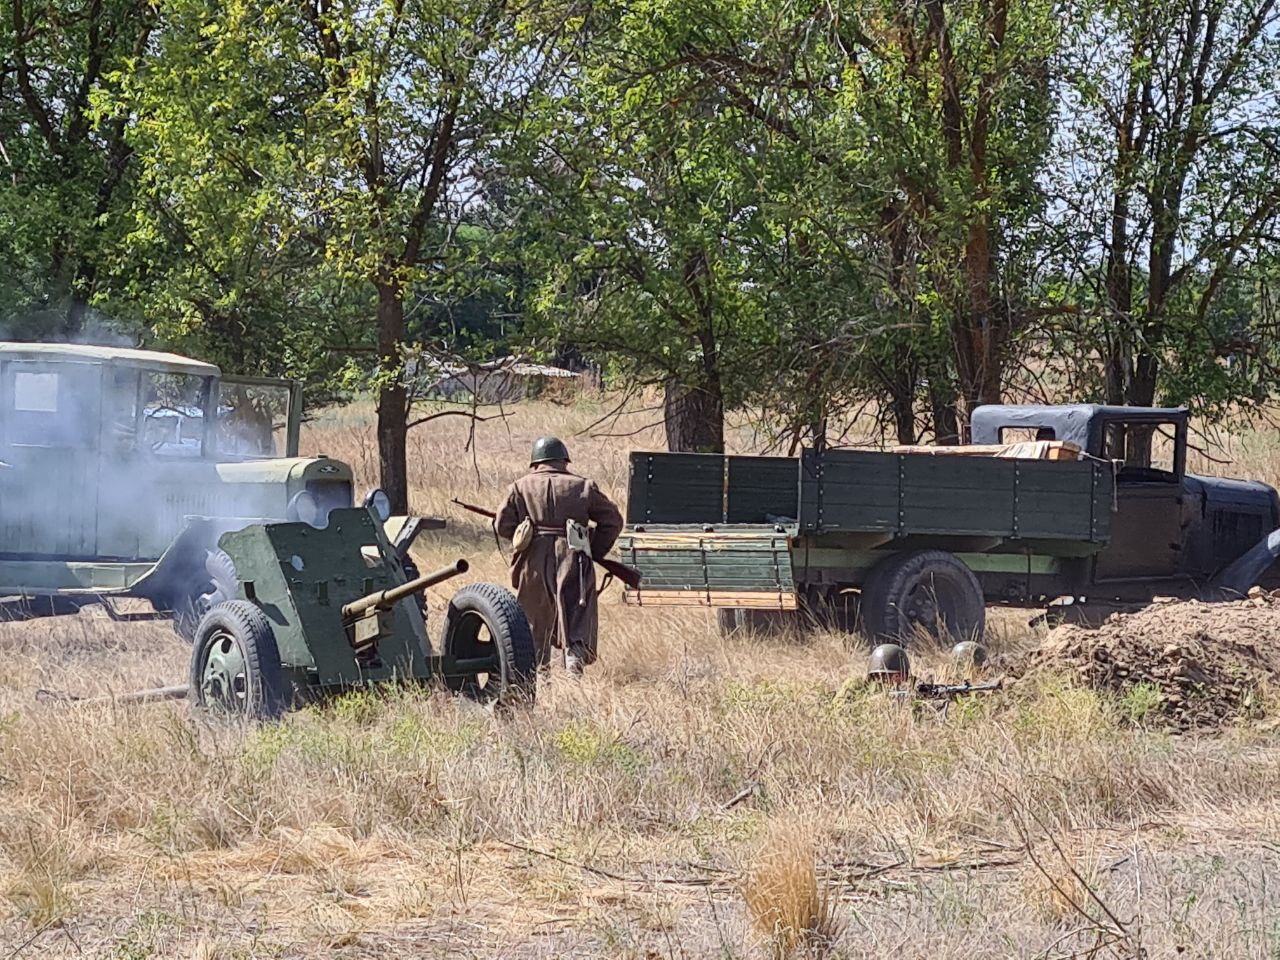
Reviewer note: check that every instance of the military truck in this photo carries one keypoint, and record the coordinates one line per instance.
(121, 468)
(920, 540)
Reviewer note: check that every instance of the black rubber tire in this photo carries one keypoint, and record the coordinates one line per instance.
(948, 590)
(511, 638)
(866, 597)
(265, 694)
(761, 623)
(726, 621)
(215, 584)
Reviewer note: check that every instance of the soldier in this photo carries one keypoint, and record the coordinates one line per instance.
(889, 666)
(969, 655)
(546, 516)
(969, 659)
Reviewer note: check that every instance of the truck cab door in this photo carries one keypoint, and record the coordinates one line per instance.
(49, 425)
(1147, 526)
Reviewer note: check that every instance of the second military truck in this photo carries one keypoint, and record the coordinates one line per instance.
(1081, 504)
(121, 468)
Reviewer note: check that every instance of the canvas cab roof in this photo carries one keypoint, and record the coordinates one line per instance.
(121, 356)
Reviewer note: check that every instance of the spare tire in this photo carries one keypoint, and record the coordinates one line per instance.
(484, 620)
(235, 664)
(923, 593)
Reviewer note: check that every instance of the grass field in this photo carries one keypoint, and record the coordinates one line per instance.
(693, 796)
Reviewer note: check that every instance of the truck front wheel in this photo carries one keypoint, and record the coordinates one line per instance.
(924, 593)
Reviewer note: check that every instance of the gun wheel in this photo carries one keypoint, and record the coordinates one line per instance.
(235, 664)
(484, 622)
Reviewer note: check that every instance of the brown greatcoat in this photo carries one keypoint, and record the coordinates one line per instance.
(556, 586)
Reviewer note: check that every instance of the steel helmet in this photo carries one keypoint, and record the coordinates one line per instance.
(548, 448)
(966, 653)
(888, 658)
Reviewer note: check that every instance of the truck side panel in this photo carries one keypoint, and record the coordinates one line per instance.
(717, 530)
(914, 495)
(676, 488)
(761, 489)
(700, 488)
(849, 490)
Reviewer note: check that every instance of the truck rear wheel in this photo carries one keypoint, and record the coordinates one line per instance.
(235, 663)
(924, 593)
(762, 623)
(484, 620)
(832, 608)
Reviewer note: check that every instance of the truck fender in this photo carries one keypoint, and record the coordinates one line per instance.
(184, 562)
(1235, 580)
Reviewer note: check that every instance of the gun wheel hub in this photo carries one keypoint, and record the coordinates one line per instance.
(224, 678)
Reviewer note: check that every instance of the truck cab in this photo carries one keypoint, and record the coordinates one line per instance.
(106, 455)
(1167, 525)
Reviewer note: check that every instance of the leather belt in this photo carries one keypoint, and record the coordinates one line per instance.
(542, 531)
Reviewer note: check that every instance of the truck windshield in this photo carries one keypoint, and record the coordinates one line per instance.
(253, 419)
(173, 414)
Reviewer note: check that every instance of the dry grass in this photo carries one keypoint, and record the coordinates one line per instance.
(648, 811)
(789, 909)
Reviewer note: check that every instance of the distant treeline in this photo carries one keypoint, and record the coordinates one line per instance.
(806, 208)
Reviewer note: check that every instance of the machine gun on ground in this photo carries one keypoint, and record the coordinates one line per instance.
(628, 575)
(942, 694)
(926, 690)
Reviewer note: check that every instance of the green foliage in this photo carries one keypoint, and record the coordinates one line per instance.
(1139, 702)
(586, 744)
(804, 210)
(66, 185)
(1172, 115)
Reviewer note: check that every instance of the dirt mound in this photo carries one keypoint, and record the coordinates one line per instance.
(1204, 664)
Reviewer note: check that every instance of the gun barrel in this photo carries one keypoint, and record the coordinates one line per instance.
(383, 599)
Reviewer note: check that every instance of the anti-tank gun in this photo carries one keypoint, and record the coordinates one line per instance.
(319, 610)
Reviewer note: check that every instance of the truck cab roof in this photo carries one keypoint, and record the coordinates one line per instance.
(1078, 423)
(119, 356)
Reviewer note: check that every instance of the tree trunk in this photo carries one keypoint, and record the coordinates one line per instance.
(942, 403)
(694, 413)
(694, 418)
(1141, 391)
(818, 434)
(393, 403)
(1119, 269)
(902, 404)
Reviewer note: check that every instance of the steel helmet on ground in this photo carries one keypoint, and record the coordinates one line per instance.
(546, 449)
(888, 658)
(967, 653)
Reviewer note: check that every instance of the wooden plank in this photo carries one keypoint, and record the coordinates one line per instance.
(1027, 450)
(647, 597)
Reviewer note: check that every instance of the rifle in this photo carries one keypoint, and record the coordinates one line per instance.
(628, 575)
(926, 690)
